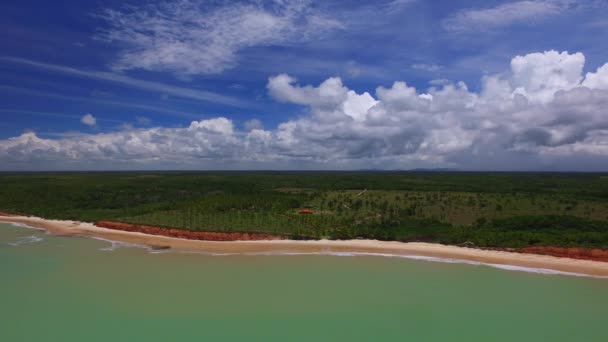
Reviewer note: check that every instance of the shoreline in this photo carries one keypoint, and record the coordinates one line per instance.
(371, 247)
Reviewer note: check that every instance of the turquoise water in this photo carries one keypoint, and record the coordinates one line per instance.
(78, 289)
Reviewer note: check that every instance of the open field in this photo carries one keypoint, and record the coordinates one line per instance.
(481, 209)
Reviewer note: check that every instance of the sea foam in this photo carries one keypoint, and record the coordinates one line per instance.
(26, 240)
(544, 271)
(22, 225)
(114, 245)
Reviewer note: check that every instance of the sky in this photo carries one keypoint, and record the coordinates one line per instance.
(304, 85)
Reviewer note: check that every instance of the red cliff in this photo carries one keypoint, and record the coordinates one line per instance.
(568, 252)
(565, 252)
(186, 234)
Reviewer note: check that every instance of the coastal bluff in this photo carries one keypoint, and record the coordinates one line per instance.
(185, 234)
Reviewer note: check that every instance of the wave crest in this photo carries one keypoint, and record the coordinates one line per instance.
(26, 240)
(544, 271)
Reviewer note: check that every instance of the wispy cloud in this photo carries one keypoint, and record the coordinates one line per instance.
(43, 93)
(427, 67)
(398, 5)
(506, 14)
(200, 95)
(190, 37)
(50, 114)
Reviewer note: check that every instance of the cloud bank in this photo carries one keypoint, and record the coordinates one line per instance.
(541, 113)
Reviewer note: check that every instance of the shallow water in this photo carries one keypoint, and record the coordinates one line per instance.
(78, 289)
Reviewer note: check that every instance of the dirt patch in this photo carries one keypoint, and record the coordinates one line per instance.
(185, 234)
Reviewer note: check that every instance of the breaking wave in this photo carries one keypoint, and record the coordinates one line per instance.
(544, 271)
(115, 245)
(23, 225)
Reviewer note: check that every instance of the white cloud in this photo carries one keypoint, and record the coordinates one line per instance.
(539, 114)
(505, 14)
(88, 120)
(540, 76)
(330, 99)
(598, 79)
(216, 126)
(190, 37)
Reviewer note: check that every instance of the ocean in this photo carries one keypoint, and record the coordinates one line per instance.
(79, 289)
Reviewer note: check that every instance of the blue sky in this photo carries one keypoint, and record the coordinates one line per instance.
(119, 70)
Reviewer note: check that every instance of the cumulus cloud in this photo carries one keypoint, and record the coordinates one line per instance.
(540, 76)
(541, 113)
(598, 79)
(88, 120)
(189, 37)
(202, 139)
(330, 99)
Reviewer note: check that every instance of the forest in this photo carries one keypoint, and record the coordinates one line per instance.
(474, 208)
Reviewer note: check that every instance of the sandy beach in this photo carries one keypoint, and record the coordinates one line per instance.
(75, 228)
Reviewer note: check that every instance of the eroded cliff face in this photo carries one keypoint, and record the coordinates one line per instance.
(568, 252)
(595, 254)
(185, 234)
